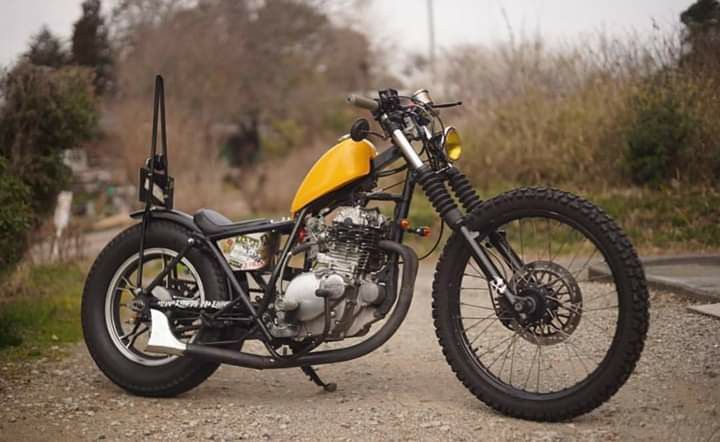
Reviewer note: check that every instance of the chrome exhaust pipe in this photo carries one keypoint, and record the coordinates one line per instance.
(162, 339)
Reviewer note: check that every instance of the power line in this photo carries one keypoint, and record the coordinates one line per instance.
(431, 35)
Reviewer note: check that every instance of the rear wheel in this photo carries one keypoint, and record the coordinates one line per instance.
(582, 339)
(115, 331)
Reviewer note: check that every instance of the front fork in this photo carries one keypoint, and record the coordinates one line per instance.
(434, 187)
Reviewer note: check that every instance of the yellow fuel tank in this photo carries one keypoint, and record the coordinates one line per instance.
(345, 162)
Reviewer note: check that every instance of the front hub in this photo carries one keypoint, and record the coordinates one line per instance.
(549, 308)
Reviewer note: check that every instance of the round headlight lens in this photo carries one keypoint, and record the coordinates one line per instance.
(453, 144)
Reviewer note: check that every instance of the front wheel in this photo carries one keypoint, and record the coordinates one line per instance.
(586, 332)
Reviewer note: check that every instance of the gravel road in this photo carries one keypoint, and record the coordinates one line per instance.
(403, 391)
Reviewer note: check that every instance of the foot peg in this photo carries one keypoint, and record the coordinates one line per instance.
(312, 374)
(162, 339)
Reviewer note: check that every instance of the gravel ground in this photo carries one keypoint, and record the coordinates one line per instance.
(403, 391)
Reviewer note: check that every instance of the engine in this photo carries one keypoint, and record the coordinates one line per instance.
(341, 292)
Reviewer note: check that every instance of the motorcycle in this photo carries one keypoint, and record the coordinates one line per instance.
(539, 300)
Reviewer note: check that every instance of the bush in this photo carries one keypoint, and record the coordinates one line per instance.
(659, 131)
(584, 117)
(45, 111)
(15, 219)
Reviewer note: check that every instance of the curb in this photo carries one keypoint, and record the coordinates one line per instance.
(676, 285)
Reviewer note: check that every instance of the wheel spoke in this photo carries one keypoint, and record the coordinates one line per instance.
(495, 346)
(502, 264)
(512, 363)
(474, 275)
(477, 271)
(503, 354)
(590, 321)
(526, 354)
(478, 322)
(532, 364)
(483, 330)
(561, 248)
(569, 342)
(537, 388)
(587, 263)
(522, 244)
(128, 285)
(577, 252)
(125, 329)
(476, 306)
(131, 332)
(137, 335)
(568, 347)
(585, 310)
(580, 310)
(549, 238)
(602, 295)
(507, 351)
(166, 279)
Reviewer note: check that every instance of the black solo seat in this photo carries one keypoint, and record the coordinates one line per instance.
(211, 222)
(215, 224)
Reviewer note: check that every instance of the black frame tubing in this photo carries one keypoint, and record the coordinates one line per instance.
(158, 110)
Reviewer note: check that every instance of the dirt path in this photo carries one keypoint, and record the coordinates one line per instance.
(403, 391)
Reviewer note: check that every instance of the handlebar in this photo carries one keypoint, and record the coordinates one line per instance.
(363, 102)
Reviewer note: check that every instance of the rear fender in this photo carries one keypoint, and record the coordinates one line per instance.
(172, 215)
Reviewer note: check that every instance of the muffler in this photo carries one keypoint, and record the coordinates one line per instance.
(162, 339)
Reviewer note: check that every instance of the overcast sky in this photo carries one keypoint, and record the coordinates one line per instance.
(405, 21)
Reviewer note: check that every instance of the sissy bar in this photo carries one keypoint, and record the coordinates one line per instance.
(156, 184)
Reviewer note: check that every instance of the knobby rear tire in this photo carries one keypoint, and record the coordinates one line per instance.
(632, 323)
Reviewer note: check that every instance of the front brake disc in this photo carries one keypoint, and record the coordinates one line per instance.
(561, 300)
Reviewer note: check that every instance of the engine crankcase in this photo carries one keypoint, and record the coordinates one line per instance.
(301, 298)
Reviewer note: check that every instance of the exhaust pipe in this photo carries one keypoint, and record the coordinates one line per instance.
(163, 341)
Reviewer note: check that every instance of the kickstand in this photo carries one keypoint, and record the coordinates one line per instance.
(312, 374)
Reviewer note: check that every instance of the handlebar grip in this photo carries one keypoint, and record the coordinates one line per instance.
(363, 102)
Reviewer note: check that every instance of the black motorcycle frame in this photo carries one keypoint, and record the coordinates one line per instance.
(156, 191)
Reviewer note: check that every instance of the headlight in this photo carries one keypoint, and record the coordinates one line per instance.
(452, 143)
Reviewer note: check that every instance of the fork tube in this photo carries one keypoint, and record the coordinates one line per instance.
(500, 242)
(443, 203)
(488, 267)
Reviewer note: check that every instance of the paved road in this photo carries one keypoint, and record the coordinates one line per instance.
(404, 391)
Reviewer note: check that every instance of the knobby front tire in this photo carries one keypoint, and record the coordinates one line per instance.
(556, 367)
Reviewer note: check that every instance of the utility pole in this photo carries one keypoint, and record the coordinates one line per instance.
(431, 34)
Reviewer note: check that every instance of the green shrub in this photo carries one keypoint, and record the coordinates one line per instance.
(659, 131)
(44, 112)
(15, 218)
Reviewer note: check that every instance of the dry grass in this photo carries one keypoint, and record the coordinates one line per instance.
(538, 116)
(194, 161)
(271, 185)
